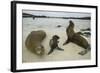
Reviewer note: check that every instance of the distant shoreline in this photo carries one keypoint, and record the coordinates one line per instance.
(25, 15)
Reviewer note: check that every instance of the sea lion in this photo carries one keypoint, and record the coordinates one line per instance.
(33, 42)
(87, 34)
(87, 29)
(76, 38)
(54, 44)
(70, 32)
(59, 26)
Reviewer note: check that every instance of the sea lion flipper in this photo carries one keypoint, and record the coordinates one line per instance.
(66, 42)
(85, 51)
(60, 49)
(51, 50)
(82, 52)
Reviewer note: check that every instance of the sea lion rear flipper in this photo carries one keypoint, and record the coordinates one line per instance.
(83, 52)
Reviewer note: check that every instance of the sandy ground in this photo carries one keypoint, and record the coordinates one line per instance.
(50, 27)
(70, 52)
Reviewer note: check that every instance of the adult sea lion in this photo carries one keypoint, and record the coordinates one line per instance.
(54, 44)
(33, 42)
(76, 38)
(70, 32)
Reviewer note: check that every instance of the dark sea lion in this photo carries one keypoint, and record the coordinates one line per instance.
(59, 26)
(54, 44)
(87, 34)
(33, 42)
(87, 29)
(70, 32)
(76, 38)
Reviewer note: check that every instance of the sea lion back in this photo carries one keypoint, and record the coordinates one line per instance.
(79, 40)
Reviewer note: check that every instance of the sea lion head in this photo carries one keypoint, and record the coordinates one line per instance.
(56, 37)
(71, 24)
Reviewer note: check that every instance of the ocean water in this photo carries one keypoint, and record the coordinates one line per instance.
(49, 25)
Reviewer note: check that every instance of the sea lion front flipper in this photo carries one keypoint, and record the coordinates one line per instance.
(60, 49)
(66, 42)
(51, 50)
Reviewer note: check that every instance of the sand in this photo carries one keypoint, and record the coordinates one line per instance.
(70, 52)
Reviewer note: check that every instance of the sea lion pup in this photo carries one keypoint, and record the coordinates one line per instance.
(33, 42)
(76, 38)
(54, 44)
